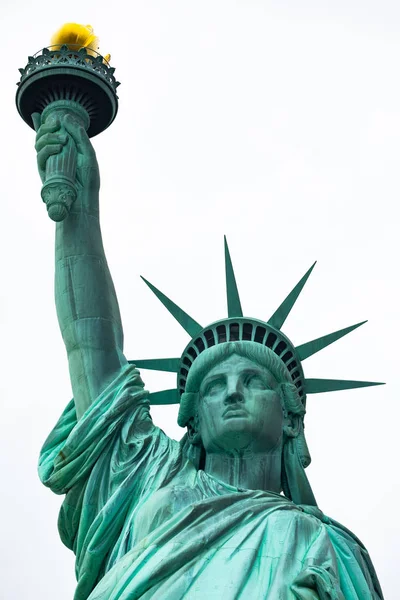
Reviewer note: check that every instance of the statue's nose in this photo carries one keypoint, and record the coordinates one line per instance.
(234, 392)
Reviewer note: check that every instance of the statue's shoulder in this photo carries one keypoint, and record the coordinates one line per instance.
(288, 521)
(296, 516)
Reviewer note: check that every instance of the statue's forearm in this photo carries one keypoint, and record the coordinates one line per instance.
(87, 307)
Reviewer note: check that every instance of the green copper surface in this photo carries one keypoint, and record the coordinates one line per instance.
(236, 328)
(60, 81)
(183, 318)
(316, 386)
(227, 512)
(158, 364)
(145, 523)
(281, 313)
(310, 348)
(56, 73)
(232, 294)
(164, 397)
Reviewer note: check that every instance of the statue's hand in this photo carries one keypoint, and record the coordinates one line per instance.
(51, 138)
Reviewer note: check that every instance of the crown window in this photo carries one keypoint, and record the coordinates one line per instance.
(209, 335)
(221, 330)
(247, 331)
(200, 344)
(260, 333)
(192, 353)
(280, 347)
(233, 332)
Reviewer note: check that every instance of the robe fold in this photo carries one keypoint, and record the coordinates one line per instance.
(144, 523)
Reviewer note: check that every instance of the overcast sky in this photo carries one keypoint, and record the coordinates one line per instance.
(276, 123)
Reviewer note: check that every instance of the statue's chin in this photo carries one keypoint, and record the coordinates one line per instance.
(236, 435)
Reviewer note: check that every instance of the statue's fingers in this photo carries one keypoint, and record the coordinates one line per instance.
(45, 153)
(78, 134)
(48, 139)
(50, 126)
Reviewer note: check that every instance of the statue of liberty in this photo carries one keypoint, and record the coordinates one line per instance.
(228, 511)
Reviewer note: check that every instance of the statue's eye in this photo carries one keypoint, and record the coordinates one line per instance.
(214, 387)
(255, 382)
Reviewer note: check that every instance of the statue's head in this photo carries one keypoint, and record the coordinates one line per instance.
(241, 385)
(240, 398)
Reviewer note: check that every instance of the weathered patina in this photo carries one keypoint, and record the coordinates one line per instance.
(228, 511)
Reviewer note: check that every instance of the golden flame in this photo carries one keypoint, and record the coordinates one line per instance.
(77, 36)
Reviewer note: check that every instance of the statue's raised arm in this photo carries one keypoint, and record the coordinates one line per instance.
(86, 301)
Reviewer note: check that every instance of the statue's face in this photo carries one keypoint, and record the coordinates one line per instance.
(239, 408)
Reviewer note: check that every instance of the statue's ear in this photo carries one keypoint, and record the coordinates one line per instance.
(293, 410)
(292, 425)
(192, 432)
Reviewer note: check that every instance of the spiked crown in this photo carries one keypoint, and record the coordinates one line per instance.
(237, 328)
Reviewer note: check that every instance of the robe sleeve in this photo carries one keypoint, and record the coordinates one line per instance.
(72, 448)
(337, 566)
(106, 463)
(319, 577)
(358, 578)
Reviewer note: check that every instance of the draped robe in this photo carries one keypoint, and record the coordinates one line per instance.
(144, 523)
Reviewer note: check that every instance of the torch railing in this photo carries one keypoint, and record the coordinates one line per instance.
(80, 57)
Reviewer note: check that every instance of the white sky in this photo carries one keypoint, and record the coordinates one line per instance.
(276, 123)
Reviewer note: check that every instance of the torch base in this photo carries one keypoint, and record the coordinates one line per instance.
(58, 197)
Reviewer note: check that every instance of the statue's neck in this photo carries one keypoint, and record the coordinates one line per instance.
(250, 471)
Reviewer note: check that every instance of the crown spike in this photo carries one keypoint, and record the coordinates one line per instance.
(157, 364)
(280, 315)
(310, 348)
(316, 386)
(232, 294)
(164, 397)
(188, 324)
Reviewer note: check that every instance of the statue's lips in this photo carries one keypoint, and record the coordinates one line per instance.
(235, 412)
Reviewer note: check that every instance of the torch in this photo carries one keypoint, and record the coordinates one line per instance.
(67, 77)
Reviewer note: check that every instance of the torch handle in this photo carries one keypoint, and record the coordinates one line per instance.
(59, 189)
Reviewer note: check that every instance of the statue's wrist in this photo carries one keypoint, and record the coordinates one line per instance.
(84, 215)
(87, 202)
